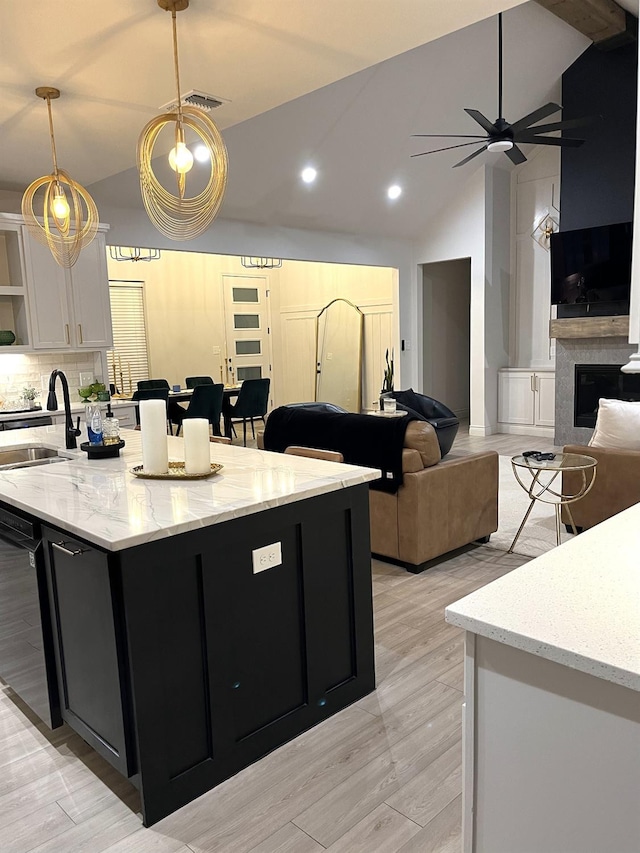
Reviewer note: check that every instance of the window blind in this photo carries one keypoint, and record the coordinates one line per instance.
(129, 334)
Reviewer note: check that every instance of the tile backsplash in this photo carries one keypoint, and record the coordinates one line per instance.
(20, 370)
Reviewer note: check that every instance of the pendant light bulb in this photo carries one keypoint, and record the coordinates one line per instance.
(181, 159)
(60, 205)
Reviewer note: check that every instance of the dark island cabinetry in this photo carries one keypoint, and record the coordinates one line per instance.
(182, 662)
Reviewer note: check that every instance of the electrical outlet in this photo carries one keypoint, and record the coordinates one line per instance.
(267, 557)
(216, 350)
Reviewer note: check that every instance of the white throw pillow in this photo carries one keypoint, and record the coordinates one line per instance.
(618, 425)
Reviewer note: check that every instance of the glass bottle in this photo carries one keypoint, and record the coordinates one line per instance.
(94, 424)
(110, 427)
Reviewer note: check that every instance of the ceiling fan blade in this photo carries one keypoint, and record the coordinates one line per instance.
(536, 115)
(483, 121)
(516, 156)
(563, 125)
(448, 148)
(449, 135)
(470, 157)
(562, 141)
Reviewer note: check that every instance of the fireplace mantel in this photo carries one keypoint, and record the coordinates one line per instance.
(590, 327)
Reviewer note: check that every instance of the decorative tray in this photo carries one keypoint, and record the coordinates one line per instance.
(176, 472)
(101, 451)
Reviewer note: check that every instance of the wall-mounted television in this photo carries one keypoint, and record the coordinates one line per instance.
(592, 265)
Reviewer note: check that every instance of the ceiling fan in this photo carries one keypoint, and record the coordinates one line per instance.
(503, 136)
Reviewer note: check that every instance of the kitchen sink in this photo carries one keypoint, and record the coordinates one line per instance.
(28, 457)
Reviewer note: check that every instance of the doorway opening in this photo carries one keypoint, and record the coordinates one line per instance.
(446, 323)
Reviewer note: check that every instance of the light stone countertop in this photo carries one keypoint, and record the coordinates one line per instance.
(100, 501)
(76, 409)
(577, 605)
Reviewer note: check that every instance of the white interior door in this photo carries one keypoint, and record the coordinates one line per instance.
(248, 328)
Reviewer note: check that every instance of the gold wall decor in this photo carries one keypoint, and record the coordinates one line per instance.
(179, 216)
(66, 228)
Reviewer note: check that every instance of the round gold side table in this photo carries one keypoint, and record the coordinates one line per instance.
(542, 489)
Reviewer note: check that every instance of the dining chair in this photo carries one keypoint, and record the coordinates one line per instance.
(193, 381)
(151, 394)
(252, 403)
(205, 402)
(175, 411)
(148, 384)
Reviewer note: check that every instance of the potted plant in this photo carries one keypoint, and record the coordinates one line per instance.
(387, 382)
(29, 393)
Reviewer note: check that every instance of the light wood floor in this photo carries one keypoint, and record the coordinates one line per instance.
(382, 776)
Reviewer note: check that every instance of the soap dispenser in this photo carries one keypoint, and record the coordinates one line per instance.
(110, 427)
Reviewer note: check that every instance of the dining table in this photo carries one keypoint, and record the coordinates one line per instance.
(185, 394)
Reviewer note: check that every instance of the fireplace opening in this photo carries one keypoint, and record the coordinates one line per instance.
(593, 381)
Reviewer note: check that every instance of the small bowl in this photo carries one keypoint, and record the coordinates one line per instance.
(6, 337)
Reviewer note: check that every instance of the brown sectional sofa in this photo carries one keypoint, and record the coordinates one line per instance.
(617, 485)
(443, 504)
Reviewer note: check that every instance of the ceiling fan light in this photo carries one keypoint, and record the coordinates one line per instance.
(500, 145)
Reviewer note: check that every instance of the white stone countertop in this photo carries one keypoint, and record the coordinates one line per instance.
(102, 502)
(76, 409)
(577, 605)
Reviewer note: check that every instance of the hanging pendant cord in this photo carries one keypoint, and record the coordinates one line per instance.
(176, 65)
(500, 65)
(53, 141)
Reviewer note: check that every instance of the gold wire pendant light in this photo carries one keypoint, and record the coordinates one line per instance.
(177, 216)
(65, 228)
(261, 263)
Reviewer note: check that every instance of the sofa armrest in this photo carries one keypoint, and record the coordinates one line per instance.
(616, 487)
(447, 506)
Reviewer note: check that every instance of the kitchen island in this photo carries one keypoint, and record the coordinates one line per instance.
(552, 699)
(181, 652)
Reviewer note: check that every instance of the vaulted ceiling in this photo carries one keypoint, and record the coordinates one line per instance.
(342, 85)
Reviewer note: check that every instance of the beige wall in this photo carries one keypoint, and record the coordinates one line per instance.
(185, 316)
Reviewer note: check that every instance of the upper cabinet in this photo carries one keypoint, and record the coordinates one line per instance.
(14, 315)
(69, 308)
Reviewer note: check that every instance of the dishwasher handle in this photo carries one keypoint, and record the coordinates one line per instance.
(70, 552)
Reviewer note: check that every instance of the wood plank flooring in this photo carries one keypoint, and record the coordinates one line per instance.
(382, 776)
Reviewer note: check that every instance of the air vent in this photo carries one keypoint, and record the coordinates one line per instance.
(196, 99)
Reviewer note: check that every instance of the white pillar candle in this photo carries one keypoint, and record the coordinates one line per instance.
(153, 430)
(197, 458)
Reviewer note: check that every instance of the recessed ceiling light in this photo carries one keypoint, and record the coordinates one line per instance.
(201, 153)
(394, 191)
(309, 175)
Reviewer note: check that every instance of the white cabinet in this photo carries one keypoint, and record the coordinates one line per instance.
(126, 415)
(69, 307)
(526, 401)
(14, 314)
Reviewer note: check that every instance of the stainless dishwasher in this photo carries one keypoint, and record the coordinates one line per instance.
(26, 649)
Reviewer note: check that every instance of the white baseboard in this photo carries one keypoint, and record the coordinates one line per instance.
(525, 429)
(481, 430)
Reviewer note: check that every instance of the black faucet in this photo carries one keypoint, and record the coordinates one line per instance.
(52, 404)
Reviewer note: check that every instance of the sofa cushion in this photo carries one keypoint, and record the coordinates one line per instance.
(421, 436)
(617, 426)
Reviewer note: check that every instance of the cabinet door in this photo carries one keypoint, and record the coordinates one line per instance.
(90, 297)
(545, 399)
(47, 286)
(515, 397)
(87, 646)
(126, 416)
